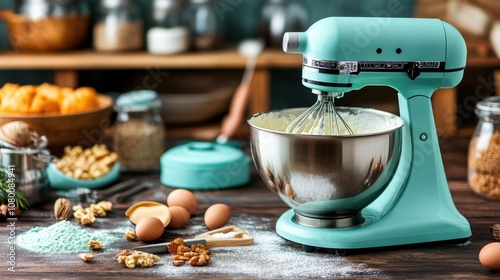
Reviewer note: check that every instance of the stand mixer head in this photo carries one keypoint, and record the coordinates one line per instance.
(406, 199)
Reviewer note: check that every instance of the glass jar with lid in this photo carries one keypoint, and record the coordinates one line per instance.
(169, 33)
(139, 134)
(204, 24)
(38, 9)
(118, 27)
(484, 149)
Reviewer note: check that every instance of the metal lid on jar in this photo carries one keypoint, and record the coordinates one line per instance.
(137, 100)
(488, 106)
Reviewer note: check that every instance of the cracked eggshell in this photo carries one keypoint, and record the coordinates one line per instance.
(148, 209)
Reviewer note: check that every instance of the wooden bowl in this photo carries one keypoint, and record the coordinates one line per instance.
(47, 34)
(84, 128)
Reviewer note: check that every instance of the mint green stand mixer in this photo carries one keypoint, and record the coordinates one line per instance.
(409, 202)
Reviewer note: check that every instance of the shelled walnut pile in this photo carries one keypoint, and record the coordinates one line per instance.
(132, 259)
(87, 215)
(88, 164)
(196, 255)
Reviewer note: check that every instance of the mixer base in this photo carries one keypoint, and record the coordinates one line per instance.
(387, 231)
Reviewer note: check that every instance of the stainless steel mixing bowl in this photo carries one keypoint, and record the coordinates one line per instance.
(328, 179)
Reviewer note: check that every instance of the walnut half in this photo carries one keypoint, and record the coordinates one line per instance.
(95, 244)
(86, 257)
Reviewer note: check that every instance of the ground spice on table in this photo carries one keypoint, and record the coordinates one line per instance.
(61, 238)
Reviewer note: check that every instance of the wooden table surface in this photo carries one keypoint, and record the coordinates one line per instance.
(256, 210)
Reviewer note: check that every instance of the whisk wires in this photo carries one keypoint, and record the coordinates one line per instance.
(321, 119)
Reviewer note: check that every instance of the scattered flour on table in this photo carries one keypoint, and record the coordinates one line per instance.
(271, 257)
(63, 238)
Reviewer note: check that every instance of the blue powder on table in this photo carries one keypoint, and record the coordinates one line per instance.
(60, 238)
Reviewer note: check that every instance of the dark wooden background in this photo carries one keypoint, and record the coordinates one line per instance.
(436, 261)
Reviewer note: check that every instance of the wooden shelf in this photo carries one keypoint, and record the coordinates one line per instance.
(87, 59)
(226, 58)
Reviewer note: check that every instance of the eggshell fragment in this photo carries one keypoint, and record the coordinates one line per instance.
(489, 256)
(149, 229)
(178, 216)
(217, 215)
(148, 209)
(183, 198)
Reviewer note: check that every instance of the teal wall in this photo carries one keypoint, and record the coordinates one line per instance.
(241, 20)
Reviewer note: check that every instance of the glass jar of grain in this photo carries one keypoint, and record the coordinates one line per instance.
(484, 149)
(205, 25)
(139, 135)
(118, 27)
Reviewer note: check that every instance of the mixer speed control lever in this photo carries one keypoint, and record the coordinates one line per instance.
(413, 70)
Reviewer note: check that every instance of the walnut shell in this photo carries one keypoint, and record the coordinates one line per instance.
(62, 209)
(18, 133)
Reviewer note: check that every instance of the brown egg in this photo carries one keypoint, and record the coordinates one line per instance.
(183, 198)
(217, 215)
(489, 256)
(178, 216)
(149, 228)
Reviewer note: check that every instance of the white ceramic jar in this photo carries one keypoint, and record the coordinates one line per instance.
(168, 35)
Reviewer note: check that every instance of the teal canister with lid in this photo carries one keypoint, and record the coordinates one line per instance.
(204, 166)
(139, 133)
(484, 149)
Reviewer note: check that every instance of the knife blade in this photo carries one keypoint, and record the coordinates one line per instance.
(160, 248)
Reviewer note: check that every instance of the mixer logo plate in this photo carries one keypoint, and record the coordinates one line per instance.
(428, 64)
(348, 67)
(355, 67)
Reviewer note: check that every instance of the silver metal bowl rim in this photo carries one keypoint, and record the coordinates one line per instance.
(339, 108)
(39, 154)
(8, 148)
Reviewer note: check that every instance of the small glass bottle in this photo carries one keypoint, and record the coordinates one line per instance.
(204, 24)
(168, 34)
(139, 134)
(118, 27)
(484, 149)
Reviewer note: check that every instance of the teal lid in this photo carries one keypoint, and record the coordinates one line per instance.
(137, 100)
(201, 155)
(204, 166)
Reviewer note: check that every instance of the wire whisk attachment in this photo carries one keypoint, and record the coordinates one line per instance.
(321, 118)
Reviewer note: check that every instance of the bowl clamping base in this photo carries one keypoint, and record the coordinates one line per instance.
(337, 221)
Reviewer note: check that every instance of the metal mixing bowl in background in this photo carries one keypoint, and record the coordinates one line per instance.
(327, 178)
(30, 177)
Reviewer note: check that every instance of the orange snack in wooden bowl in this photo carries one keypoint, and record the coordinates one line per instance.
(64, 115)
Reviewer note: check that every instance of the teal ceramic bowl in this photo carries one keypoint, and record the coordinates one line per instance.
(59, 180)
